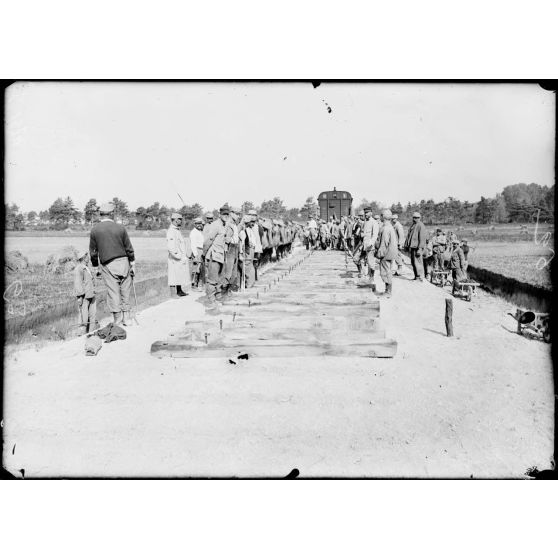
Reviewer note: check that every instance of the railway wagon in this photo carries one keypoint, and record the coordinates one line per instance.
(335, 203)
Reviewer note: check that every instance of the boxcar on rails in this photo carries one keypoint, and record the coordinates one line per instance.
(335, 203)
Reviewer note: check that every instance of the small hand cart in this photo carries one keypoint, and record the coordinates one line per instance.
(536, 323)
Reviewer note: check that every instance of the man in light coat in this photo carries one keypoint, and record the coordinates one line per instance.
(415, 243)
(178, 259)
(214, 256)
(400, 234)
(386, 249)
(370, 235)
(196, 245)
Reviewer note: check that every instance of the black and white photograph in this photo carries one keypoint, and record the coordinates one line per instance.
(271, 279)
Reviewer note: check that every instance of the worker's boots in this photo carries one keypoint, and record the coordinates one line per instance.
(117, 318)
(388, 290)
(127, 320)
(173, 293)
(180, 292)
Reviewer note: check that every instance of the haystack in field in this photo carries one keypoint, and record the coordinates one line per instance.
(15, 261)
(63, 261)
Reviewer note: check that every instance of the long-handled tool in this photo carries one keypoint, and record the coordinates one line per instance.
(136, 301)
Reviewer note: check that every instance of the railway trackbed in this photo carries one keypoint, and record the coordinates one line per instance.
(308, 305)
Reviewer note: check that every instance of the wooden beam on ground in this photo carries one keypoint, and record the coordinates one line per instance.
(293, 300)
(273, 311)
(341, 324)
(381, 348)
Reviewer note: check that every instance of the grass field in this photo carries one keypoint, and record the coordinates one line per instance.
(524, 261)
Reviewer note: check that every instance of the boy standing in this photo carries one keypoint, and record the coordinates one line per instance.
(84, 290)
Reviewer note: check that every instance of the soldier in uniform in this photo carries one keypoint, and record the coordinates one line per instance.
(214, 256)
(386, 249)
(458, 265)
(415, 243)
(230, 272)
(178, 258)
(369, 237)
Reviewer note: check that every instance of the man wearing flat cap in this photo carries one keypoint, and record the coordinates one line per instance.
(400, 233)
(214, 256)
(196, 245)
(416, 245)
(248, 242)
(178, 258)
(386, 250)
(112, 254)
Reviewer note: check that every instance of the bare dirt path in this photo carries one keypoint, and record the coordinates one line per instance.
(479, 404)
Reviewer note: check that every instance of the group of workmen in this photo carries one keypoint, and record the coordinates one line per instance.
(379, 240)
(223, 255)
(225, 252)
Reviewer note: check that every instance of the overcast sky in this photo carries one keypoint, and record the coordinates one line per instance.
(217, 142)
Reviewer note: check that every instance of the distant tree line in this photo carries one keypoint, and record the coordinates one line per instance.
(518, 203)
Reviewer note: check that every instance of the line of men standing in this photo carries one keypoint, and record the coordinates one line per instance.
(227, 251)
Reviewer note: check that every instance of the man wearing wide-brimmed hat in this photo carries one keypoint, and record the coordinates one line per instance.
(112, 252)
(214, 256)
(196, 245)
(416, 245)
(178, 259)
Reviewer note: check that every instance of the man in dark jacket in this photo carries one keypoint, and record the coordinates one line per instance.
(416, 244)
(112, 251)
